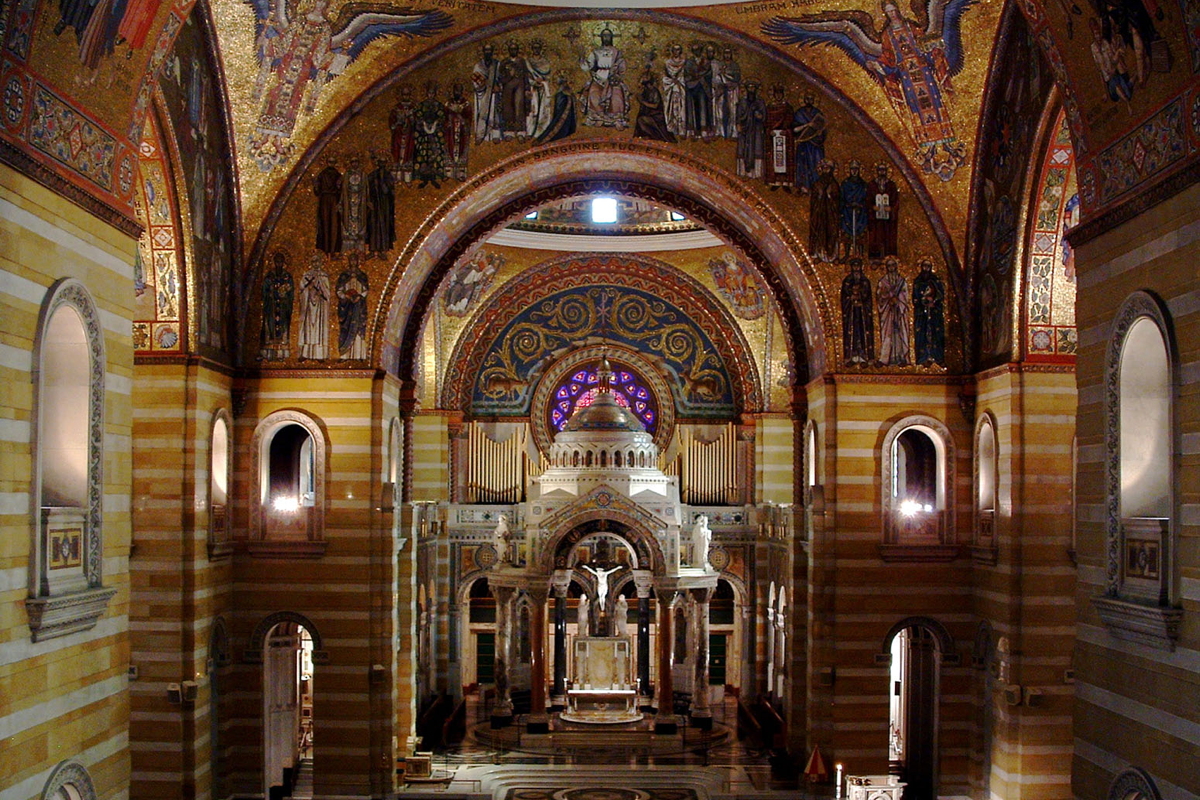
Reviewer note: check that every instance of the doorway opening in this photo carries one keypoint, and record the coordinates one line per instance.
(913, 710)
(288, 725)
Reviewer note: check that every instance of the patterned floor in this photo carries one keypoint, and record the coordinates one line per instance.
(607, 763)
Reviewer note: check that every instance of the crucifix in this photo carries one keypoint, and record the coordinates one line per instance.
(601, 582)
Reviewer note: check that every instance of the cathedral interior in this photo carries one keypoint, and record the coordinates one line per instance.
(462, 398)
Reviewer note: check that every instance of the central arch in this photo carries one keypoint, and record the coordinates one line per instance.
(627, 523)
(655, 173)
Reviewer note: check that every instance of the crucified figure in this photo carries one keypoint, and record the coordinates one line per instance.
(601, 582)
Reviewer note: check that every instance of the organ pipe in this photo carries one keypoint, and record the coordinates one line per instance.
(496, 470)
(707, 465)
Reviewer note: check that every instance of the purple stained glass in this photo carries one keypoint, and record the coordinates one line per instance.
(579, 390)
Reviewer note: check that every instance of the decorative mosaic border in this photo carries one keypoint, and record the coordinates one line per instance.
(73, 774)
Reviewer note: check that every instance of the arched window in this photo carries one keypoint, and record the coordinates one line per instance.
(69, 366)
(69, 781)
(814, 492)
(578, 389)
(986, 487)
(918, 479)
(394, 469)
(218, 487)
(289, 501)
(1140, 435)
(1133, 783)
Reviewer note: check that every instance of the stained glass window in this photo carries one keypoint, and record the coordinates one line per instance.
(578, 390)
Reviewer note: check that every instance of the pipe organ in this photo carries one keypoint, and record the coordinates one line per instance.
(706, 460)
(496, 462)
(707, 465)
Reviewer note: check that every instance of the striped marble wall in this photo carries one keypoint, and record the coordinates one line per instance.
(855, 597)
(1130, 705)
(345, 594)
(64, 698)
(180, 586)
(1024, 590)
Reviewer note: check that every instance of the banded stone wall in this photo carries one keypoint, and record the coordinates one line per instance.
(1130, 709)
(64, 698)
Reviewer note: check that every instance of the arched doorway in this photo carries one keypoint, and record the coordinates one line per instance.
(288, 720)
(916, 646)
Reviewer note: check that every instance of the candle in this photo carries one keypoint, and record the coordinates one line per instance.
(839, 781)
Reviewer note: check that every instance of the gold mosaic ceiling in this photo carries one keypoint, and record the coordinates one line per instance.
(444, 39)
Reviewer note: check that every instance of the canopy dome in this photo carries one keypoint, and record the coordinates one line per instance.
(604, 414)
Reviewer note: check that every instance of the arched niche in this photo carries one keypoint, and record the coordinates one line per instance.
(69, 780)
(918, 479)
(1142, 571)
(68, 482)
(707, 364)
(986, 470)
(632, 525)
(287, 500)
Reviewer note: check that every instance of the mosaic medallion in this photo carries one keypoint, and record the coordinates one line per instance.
(14, 101)
(486, 556)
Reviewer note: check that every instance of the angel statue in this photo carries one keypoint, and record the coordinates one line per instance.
(912, 59)
(701, 539)
(501, 537)
(299, 53)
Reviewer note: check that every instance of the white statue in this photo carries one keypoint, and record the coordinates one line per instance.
(601, 582)
(501, 537)
(701, 538)
(621, 616)
(584, 605)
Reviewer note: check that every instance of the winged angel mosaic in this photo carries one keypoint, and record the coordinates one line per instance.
(300, 49)
(912, 59)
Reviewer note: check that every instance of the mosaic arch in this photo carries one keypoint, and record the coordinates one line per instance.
(643, 37)
(490, 201)
(159, 280)
(1048, 326)
(602, 512)
(641, 304)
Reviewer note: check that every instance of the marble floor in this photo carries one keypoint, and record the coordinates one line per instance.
(627, 762)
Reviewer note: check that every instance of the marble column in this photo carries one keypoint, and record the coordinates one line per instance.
(538, 721)
(558, 696)
(642, 581)
(502, 710)
(665, 721)
(700, 713)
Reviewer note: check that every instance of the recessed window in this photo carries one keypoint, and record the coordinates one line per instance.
(68, 448)
(917, 463)
(914, 471)
(677, 217)
(290, 495)
(531, 215)
(292, 482)
(604, 210)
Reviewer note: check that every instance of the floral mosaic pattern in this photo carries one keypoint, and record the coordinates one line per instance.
(61, 132)
(1051, 279)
